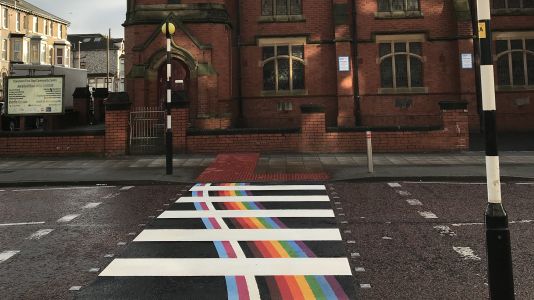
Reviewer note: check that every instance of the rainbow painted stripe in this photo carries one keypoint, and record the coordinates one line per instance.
(280, 287)
(305, 287)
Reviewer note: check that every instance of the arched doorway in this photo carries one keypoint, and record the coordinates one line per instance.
(180, 91)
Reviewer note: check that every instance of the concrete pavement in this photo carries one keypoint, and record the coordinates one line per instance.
(339, 167)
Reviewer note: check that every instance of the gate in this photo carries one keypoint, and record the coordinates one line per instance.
(147, 130)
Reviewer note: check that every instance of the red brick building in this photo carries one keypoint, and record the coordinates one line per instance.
(253, 63)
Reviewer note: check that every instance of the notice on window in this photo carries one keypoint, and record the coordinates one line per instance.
(34, 95)
(344, 64)
(467, 61)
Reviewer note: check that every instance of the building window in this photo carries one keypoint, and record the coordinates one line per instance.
(17, 50)
(283, 68)
(515, 63)
(35, 24)
(35, 50)
(401, 65)
(17, 22)
(281, 7)
(45, 23)
(5, 18)
(25, 22)
(511, 4)
(59, 56)
(4, 49)
(59, 31)
(398, 5)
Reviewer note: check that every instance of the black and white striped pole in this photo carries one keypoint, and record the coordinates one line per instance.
(500, 271)
(168, 29)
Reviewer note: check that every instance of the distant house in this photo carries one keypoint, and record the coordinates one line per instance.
(31, 36)
(89, 51)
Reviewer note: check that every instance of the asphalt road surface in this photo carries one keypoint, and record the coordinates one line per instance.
(403, 240)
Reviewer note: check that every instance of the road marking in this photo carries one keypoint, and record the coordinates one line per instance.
(394, 184)
(466, 253)
(168, 235)
(125, 188)
(359, 269)
(92, 205)
(63, 189)
(365, 286)
(404, 193)
(355, 254)
(414, 202)
(315, 198)
(228, 267)
(427, 214)
(272, 213)
(445, 230)
(445, 182)
(525, 183)
(387, 238)
(67, 218)
(39, 234)
(121, 243)
(109, 255)
(112, 195)
(21, 224)
(7, 255)
(260, 188)
(75, 288)
(474, 224)
(2, 190)
(94, 270)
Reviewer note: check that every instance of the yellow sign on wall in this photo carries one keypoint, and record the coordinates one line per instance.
(482, 30)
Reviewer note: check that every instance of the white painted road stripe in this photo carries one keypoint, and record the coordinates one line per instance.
(7, 255)
(271, 213)
(260, 188)
(21, 224)
(414, 202)
(177, 235)
(466, 253)
(67, 218)
(427, 214)
(228, 267)
(62, 189)
(92, 205)
(511, 222)
(125, 188)
(394, 184)
(323, 198)
(39, 234)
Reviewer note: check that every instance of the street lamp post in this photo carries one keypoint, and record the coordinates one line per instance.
(168, 29)
(500, 270)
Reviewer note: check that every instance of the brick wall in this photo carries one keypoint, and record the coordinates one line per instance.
(314, 137)
(15, 144)
(111, 141)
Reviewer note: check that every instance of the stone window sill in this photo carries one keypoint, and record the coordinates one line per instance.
(284, 93)
(398, 15)
(513, 12)
(413, 90)
(281, 19)
(508, 88)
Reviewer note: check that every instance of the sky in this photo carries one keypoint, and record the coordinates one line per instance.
(88, 16)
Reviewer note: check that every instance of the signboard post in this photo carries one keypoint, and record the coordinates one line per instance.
(39, 95)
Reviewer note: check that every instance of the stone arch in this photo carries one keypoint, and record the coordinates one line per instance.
(160, 57)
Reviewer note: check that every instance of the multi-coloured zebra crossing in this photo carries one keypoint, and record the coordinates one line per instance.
(235, 241)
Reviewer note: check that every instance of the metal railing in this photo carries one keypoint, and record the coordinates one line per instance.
(147, 130)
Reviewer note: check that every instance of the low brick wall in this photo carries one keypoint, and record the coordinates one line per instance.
(51, 144)
(313, 136)
(111, 141)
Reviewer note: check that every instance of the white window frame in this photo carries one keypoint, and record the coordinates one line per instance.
(5, 47)
(5, 17)
(17, 22)
(59, 31)
(509, 36)
(35, 24)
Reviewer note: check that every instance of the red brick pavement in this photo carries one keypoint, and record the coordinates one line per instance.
(242, 167)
